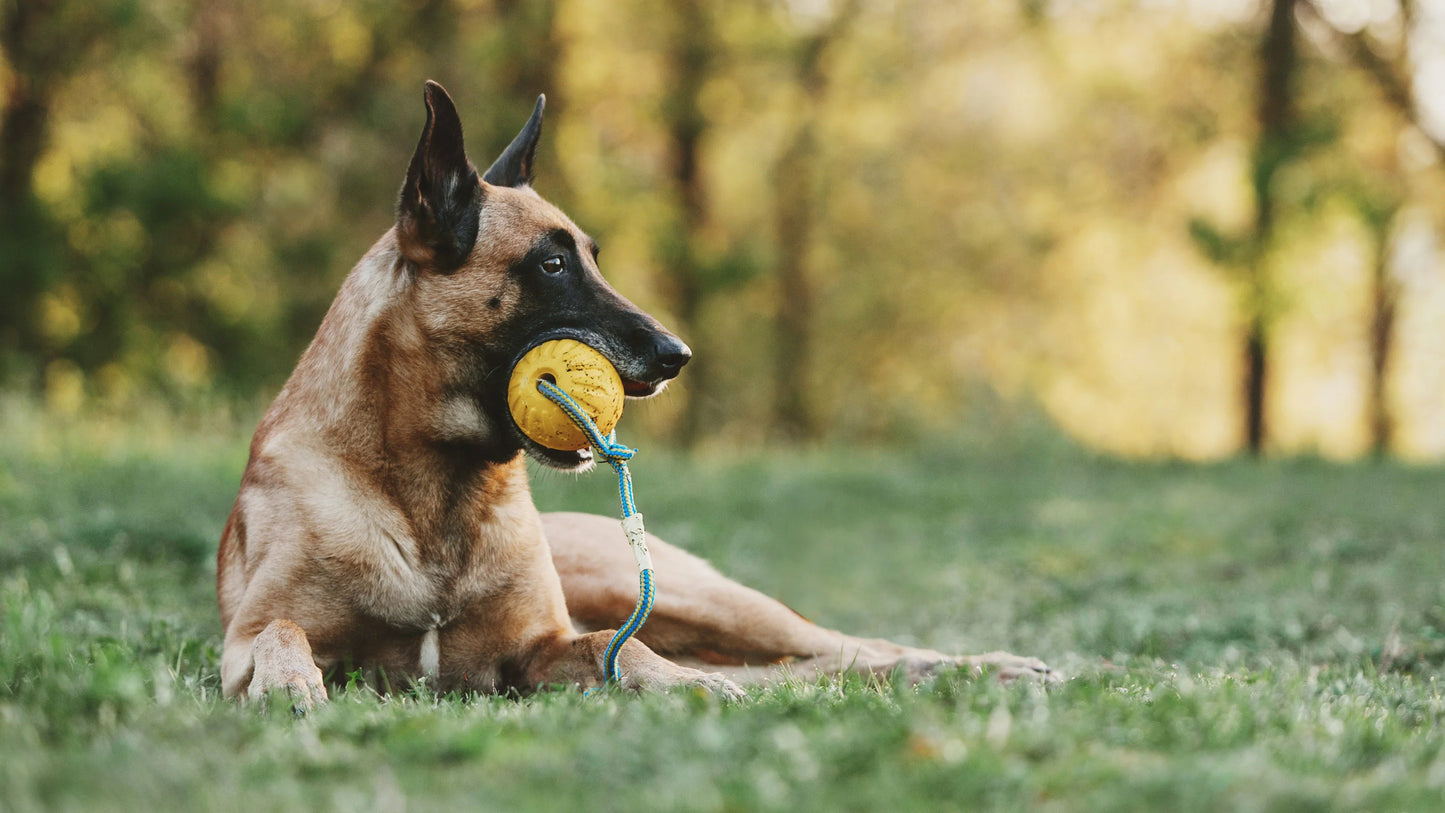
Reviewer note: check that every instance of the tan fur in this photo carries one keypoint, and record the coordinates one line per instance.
(361, 539)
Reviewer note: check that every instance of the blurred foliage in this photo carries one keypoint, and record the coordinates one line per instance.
(1035, 199)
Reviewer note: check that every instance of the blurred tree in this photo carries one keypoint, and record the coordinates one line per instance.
(1277, 144)
(44, 42)
(1380, 203)
(520, 53)
(795, 200)
(1282, 138)
(1384, 304)
(203, 229)
(690, 55)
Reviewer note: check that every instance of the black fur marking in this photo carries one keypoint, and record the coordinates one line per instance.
(573, 302)
(557, 242)
(441, 199)
(514, 166)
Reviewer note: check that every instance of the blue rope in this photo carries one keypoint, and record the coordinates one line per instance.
(616, 456)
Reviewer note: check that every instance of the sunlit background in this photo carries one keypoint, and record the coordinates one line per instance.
(870, 219)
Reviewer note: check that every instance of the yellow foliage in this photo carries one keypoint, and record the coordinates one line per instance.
(1216, 187)
(233, 180)
(230, 290)
(187, 361)
(64, 387)
(114, 383)
(55, 182)
(348, 39)
(60, 315)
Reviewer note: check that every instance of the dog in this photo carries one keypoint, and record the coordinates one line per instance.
(384, 521)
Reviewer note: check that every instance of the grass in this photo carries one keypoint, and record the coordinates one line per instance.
(1238, 636)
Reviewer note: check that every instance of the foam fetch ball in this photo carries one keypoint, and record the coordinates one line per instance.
(577, 370)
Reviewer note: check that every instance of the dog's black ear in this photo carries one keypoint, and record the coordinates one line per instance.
(441, 199)
(514, 166)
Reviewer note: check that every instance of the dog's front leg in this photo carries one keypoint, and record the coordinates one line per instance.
(280, 659)
(578, 660)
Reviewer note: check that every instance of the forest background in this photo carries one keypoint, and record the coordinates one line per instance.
(1178, 229)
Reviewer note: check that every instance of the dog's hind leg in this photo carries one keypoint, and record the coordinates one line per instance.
(702, 616)
(278, 659)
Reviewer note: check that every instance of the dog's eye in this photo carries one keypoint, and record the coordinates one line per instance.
(553, 265)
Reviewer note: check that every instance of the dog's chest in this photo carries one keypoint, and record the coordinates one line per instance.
(414, 588)
(427, 579)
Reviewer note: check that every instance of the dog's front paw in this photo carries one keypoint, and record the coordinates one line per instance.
(283, 663)
(1008, 667)
(303, 690)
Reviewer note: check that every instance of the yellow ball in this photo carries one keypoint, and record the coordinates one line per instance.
(577, 370)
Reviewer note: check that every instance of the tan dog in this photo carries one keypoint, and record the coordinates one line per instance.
(384, 520)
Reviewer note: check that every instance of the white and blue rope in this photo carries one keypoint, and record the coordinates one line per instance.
(616, 456)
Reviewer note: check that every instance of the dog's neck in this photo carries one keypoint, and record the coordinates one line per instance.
(373, 390)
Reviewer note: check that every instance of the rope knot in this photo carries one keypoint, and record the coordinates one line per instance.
(614, 450)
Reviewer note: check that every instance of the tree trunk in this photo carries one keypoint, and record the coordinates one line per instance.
(25, 255)
(1391, 75)
(1383, 300)
(1255, 370)
(22, 137)
(205, 63)
(1278, 62)
(689, 57)
(534, 52)
(795, 416)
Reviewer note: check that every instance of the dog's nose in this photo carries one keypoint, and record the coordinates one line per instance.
(671, 353)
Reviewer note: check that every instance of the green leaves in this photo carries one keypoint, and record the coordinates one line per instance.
(1223, 250)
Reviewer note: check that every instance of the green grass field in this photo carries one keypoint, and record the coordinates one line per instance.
(1237, 636)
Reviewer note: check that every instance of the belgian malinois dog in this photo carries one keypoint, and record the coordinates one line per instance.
(384, 520)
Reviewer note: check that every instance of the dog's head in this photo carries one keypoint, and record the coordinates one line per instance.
(496, 270)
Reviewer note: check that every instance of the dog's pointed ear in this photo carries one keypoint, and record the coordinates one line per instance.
(514, 166)
(441, 199)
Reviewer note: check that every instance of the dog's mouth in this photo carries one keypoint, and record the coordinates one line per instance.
(579, 460)
(643, 389)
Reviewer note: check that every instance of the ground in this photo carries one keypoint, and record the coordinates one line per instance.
(1237, 636)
